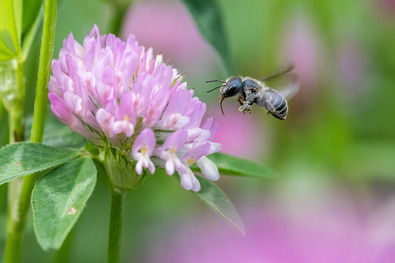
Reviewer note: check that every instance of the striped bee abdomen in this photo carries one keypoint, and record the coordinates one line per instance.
(274, 102)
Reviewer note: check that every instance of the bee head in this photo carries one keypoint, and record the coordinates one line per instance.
(232, 87)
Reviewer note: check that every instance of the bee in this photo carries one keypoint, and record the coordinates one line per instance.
(250, 91)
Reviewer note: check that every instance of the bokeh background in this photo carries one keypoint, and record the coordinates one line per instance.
(334, 200)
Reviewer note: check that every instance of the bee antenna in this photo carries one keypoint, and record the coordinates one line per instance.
(214, 89)
(215, 80)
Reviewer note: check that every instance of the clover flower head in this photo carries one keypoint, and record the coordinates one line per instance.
(119, 95)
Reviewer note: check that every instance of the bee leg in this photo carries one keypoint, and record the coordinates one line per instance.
(269, 106)
(241, 100)
(245, 108)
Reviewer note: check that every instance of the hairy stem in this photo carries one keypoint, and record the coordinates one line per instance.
(44, 71)
(14, 229)
(20, 190)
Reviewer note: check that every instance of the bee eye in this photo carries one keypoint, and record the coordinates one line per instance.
(231, 90)
(233, 87)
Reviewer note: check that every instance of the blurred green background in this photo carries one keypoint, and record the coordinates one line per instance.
(339, 136)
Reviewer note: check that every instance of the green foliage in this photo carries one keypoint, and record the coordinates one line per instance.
(30, 31)
(31, 10)
(217, 200)
(21, 159)
(208, 18)
(10, 29)
(19, 21)
(342, 136)
(231, 165)
(58, 199)
(8, 41)
(4, 125)
(57, 134)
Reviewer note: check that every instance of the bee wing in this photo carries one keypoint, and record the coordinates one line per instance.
(287, 85)
(291, 87)
(279, 72)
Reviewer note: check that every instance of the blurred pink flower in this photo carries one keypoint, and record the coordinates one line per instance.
(386, 7)
(168, 27)
(351, 66)
(120, 96)
(301, 45)
(325, 233)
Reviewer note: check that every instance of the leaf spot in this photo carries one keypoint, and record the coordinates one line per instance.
(72, 211)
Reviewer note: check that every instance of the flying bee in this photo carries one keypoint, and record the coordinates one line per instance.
(250, 91)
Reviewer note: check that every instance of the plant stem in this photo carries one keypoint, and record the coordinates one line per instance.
(117, 200)
(12, 252)
(44, 71)
(16, 113)
(14, 229)
(119, 9)
(20, 191)
(116, 21)
(4, 122)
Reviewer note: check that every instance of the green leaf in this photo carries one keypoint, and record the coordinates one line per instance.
(216, 199)
(208, 19)
(58, 199)
(21, 159)
(57, 133)
(231, 165)
(31, 10)
(10, 21)
(18, 16)
(6, 37)
(31, 31)
(4, 125)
